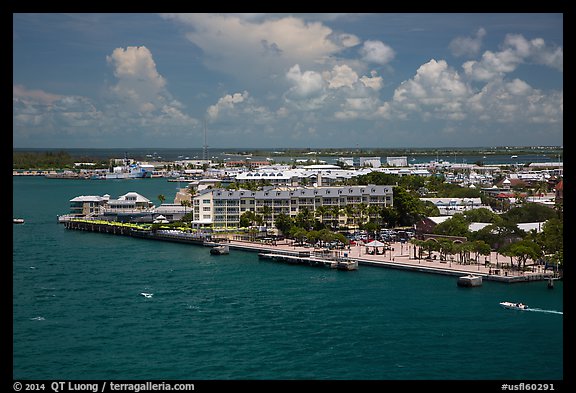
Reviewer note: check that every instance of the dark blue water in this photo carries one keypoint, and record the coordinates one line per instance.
(77, 312)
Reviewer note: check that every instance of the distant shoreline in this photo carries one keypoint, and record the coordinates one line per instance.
(327, 151)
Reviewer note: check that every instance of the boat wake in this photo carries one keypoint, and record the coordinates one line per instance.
(545, 311)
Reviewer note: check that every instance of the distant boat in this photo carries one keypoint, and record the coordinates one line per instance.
(18, 220)
(514, 306)
(147, 295)
(513, 156)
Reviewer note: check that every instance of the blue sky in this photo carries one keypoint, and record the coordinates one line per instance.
(287, 80)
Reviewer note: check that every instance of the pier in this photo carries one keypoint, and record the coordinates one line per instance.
(304, 258)
(122, 229)
(289, 253)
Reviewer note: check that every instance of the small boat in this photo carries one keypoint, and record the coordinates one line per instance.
(147, 295)
(18, 220)
(220, 250)
(514, 306)
(513, 156)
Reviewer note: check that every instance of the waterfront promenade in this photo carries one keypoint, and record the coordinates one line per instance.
(495, 267)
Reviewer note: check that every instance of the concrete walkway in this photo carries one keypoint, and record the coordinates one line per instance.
(401, 256)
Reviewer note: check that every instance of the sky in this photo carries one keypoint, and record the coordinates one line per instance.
(383, 80)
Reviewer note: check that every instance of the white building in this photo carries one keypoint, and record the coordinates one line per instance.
(128, 207)
(397, 161)
(223, 208)
(347, 161)
(373, 162)
(450, 206)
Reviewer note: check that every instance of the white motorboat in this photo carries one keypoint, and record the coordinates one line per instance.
(514, 306)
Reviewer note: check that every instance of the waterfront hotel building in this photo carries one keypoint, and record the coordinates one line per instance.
(223, 208)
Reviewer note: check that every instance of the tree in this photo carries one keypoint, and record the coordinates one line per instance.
(489, 235)
(446, 247)
(523, 250)
(284, 223)
(482, 215)
(266, 213)
(298, 233)
(454, 226)
(529, 212)
(418, 247)
(408, 206)
(350, 214)
(552, 236)
(389, 216)
(431, 245)
(481, 248)
(464, 250)
(335, 212)
(186, 203)
(161, 198)
(304, 219)
(361, 209)
(248, 218)
(371, 227)
(321, 211)
(429, 209)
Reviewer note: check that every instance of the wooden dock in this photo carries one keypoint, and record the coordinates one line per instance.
(300, 258)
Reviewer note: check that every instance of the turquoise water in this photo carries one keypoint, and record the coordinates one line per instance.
(78, 313)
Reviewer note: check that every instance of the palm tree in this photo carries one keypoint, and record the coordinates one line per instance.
(186, 203)
(373, 214)
(445, 247)
(350, 216)
(266, 212)
(362, 209)
(320, 212)
(418, 251)
(161, 198)
(335, 211)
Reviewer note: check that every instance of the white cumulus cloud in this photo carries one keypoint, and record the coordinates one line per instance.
(341, 76)
(377, 52)
(226, 102)
(468, 46)
(516, 49)
(249, 48)
(141, 91)
(305, 83)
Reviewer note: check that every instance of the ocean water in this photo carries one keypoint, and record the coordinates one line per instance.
(78, 313)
